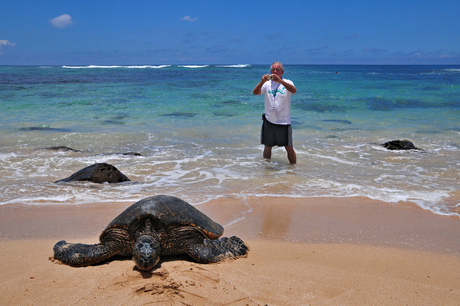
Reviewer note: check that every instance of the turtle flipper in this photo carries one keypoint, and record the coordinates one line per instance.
(216, 250)
(81, 255)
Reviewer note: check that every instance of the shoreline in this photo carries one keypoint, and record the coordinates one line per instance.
(352, 220)
(303, 251)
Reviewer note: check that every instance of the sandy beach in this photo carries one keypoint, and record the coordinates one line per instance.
(303, 251)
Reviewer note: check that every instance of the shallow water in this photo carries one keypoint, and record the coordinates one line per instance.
(197, 128)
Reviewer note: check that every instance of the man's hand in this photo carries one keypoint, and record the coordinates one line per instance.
(276, 78)
(257, 89)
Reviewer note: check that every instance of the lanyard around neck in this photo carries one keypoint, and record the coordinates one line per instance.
(276, 90)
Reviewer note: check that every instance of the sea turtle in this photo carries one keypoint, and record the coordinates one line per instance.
(154, 226)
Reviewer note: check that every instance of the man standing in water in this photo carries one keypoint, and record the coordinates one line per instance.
(276, 128)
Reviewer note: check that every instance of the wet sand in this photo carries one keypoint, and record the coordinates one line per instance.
(303, 251)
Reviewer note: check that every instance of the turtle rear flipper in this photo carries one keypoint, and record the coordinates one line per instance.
(81, 255)
(217, 250)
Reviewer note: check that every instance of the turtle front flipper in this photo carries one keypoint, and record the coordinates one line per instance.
(81, 255)
(216, 250)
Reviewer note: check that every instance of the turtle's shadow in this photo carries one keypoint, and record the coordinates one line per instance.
(150, 273)
(147, 274)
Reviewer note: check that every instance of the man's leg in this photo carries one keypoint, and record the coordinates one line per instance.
(291, 154)
(267, 152)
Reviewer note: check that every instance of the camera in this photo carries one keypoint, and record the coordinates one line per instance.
(270, 77)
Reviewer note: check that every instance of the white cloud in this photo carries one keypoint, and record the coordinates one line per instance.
(6, 43)
(188, 18)
(62, 21)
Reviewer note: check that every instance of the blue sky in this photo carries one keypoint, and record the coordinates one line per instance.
(229, 32)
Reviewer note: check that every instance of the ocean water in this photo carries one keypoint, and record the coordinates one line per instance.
(197, 129)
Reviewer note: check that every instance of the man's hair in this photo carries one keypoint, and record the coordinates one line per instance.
(282, 67)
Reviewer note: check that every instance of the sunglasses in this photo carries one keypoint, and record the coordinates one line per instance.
(276, 69)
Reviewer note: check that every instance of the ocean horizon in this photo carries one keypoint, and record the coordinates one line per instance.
(197, 130)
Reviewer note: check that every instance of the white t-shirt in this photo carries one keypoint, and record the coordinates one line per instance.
(277, 102)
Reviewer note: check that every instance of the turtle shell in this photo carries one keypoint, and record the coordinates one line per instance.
(170, 211)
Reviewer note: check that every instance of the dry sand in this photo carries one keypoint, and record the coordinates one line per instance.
(303, 251)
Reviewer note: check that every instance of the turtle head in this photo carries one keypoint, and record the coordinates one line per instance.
(146, 252)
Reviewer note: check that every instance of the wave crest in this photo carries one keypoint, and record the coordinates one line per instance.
(115, 66)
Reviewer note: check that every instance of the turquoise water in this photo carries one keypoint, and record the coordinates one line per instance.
(197, 128)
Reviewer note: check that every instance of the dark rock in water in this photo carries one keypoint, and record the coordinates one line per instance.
(123, 153)
(60, 148)
(338, 121)
(107, 122)
(180, 114)
(36, 128)
(132, 154)
(222, 114)
(44, 128)
(98, 173)
(400, 145)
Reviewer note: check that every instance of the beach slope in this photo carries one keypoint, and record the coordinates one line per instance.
(303, 251)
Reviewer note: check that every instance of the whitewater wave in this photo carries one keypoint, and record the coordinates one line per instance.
(116, 66)
(452, 70)
(148, 66)
(234, 66)
(193, 66)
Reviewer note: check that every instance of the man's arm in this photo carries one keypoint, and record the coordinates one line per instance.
(290, 87)
(258, 89)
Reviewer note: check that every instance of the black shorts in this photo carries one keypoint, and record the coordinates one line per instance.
(276, 134)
